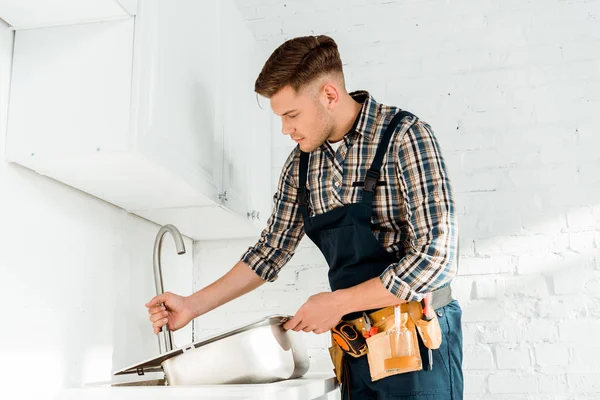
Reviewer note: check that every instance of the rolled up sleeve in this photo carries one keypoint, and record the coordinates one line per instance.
(430, 261)
(285, 228)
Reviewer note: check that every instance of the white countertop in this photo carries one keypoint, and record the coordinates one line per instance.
(310, 386)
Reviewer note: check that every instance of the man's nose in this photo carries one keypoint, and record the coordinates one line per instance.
(287, 130)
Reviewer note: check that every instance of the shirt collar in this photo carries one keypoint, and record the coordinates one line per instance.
(366, 121)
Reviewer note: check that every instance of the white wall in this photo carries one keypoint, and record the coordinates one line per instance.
(512, 90)
(75, 273)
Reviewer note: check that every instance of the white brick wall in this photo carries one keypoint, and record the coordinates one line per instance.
(512, 90)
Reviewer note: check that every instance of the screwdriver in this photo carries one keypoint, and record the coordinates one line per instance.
(428, 314)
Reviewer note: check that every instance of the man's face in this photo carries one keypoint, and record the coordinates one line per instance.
(304, 116)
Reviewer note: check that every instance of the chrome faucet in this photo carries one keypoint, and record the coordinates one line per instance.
(164, 336)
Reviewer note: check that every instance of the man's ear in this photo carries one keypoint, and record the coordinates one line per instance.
(331, 95)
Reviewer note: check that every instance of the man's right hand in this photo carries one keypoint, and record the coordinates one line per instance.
(174, 311)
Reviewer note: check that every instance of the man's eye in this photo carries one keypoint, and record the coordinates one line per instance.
(293, 116)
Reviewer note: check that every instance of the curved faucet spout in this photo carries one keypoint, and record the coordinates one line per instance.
(165, 334)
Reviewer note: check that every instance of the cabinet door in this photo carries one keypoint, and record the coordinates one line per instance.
(260, 193)
(43, 13)
(234, 109)
(70, 92)
(176, 90)
(247, 144)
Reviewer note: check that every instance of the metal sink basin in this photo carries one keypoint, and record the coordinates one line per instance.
(260, 352)
(150, 382)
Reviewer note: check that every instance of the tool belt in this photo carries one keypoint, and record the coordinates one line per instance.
(391, 348)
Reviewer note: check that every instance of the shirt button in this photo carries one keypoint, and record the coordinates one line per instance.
(336, 184)
(436, 199)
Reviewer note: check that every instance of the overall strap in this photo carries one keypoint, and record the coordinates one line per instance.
(301, 191)
(373, 172)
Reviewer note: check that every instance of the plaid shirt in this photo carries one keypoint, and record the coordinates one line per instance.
(413, 206)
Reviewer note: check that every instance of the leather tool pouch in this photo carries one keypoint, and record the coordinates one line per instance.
(430, 331)
(337, 355)
(392, 351)
(345, 340)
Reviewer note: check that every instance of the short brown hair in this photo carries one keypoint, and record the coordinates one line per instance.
(297, 62)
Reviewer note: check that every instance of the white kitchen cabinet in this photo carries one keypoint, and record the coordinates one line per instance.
(27, 14)
(157, 116)
(247, 135)
(176, 95)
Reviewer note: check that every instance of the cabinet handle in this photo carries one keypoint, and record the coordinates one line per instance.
(223, 196)
(253, 215)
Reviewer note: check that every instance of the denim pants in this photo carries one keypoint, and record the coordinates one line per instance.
(443, 382)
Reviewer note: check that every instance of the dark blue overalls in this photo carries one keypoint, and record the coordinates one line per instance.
(354, 256)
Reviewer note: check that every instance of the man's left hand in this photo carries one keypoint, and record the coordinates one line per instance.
(320, 313)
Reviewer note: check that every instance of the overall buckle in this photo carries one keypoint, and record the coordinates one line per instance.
(371, 180)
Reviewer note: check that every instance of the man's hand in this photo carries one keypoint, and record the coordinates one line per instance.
(171, 309)
(319, 314)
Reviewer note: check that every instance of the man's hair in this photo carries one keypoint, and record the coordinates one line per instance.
(298, 62)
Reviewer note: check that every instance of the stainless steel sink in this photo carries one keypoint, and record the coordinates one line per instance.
(150, 382)
(260, 352)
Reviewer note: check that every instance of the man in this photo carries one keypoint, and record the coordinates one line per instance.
(368, 184)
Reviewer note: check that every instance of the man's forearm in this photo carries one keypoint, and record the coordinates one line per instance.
(235, 283)
(365, 296)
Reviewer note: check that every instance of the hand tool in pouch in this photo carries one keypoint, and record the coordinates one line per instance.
(349, 339)
(370, 330)
(428, 314)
